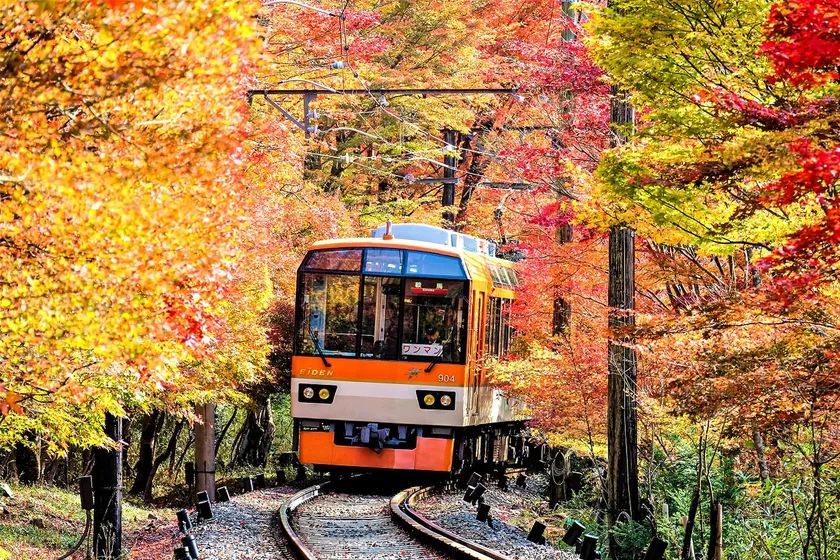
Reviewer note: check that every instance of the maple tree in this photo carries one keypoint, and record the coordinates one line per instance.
(738, 165)
(124, 270)
(152, 216)
(731, 179)
(729, 126)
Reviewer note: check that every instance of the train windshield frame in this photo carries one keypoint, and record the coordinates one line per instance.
(382, 303)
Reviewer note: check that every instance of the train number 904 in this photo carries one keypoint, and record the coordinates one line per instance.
(444, 378)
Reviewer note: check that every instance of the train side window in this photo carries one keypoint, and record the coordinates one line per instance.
(499, 331)
(434, 320)
(494, 273)
(348, 260)
(329, 314)
(488, 330)
(506, 329)
(494, 332)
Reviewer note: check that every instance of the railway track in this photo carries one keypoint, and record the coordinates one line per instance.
(334, 521)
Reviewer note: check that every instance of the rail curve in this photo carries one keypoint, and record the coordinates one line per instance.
(366, 526)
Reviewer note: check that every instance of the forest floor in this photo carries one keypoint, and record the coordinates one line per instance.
(44, 522)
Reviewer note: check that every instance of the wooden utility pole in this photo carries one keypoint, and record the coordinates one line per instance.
(449, 163)
(622, 450)
(562, 314)
(205, 450)
(107, 494)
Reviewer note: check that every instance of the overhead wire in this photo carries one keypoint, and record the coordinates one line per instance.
(345, 57)
(379, 106)
(345, 51)
(344, 46)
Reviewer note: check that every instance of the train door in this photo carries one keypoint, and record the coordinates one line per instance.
(478, 363)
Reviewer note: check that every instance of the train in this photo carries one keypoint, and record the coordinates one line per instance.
(392, 335)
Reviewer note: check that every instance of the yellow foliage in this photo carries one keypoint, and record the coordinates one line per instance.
(126, 272)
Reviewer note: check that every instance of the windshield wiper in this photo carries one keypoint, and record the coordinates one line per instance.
(435, 361)
(318, 347)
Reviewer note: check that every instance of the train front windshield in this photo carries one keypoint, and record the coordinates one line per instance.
(388, 304)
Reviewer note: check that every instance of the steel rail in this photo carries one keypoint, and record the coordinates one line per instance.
(402, 510)
(403, 513)
(298, 546)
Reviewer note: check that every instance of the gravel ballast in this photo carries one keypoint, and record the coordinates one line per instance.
(342, 526)
(245, 528)
(451, 512)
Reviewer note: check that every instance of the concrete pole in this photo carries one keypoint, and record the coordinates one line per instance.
(205, 450)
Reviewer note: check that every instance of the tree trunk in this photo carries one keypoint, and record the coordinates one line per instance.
(716, 534)
(53, 469)
(763, 469)
(754, 277)
(128, 473)
(688, 542)
(26, 462)
(173, 456)
(225, 429)
(817, 536)
(148, 435)
(477, 163)
(169, 451)
(622, 450)
(562, 315)
(255, 438)
(186, 450)
(449, 168)
(205, 450)
(107, 494)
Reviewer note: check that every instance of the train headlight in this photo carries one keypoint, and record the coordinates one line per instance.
(436, 400)
(316, 394)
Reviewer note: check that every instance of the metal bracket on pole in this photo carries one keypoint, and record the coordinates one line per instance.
(307, 98)
(287, 114)
(509, 186)
(437, 181)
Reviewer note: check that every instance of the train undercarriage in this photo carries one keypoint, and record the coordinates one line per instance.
(338, 446)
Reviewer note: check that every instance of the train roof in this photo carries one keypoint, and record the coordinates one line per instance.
(438, 236)
(477, 263)
(408, 244)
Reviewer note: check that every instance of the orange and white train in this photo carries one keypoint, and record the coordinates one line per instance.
(392, 336)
